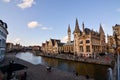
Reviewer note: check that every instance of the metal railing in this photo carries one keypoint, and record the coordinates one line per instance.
(116, 74)
(118, 67)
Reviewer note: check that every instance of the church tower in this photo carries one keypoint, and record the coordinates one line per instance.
(69, 34)
(76, 38)
(102, 39)
(83, 29)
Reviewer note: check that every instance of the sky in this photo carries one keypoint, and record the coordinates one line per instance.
(32, 22)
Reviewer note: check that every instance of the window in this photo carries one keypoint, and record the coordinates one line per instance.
(88, 48)
(81, 48)
(87, 41)
(72, 48)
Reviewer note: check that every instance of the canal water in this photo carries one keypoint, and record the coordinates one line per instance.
(98, 72)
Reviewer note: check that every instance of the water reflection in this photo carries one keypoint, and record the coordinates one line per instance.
(98, 72)
(27, 56)
(95, 71)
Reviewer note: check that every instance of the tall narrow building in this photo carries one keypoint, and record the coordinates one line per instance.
(69, 34)
(76, 38)
(102, 39)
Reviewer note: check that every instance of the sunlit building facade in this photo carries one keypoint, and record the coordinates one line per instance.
(86, 42)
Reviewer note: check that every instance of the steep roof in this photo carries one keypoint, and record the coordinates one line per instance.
(87, 30)
(69, 30)
(54, 40)
(61, 44)
(71, 43)
(77, 30)
(101, 29)
(43, 44)
(47, 42)
(117, 25)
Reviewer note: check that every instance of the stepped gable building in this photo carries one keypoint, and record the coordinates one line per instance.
(46, 47)
(116, 29)
(110, 43)
(88, 42)
(51, 46)
(60, 48)
(3, 37)
(43, 47)
(111, 39)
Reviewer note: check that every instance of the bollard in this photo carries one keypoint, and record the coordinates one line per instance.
(110, 74)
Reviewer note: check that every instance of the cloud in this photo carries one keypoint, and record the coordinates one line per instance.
(64, 39)
(26, 4)
(17, 40)
(7, 1)
(118, 10)
(46, 28)
(33, 24)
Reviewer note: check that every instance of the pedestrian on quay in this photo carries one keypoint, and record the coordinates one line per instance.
(25, 75)
(87, 77)
(1, 76)
(75, 72)
(49, 68)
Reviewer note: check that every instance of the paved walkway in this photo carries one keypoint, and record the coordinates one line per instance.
(39, 72)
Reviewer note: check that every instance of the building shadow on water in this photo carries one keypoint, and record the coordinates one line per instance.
(11, 68)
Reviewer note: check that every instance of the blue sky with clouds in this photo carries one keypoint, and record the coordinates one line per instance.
(31, 22)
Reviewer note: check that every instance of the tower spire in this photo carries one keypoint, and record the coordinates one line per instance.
(77, 30)
(69, 30)
(83, 28)
(69, 34)
(101, 29)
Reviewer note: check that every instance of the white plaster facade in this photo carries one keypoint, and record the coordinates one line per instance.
(3, 37)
